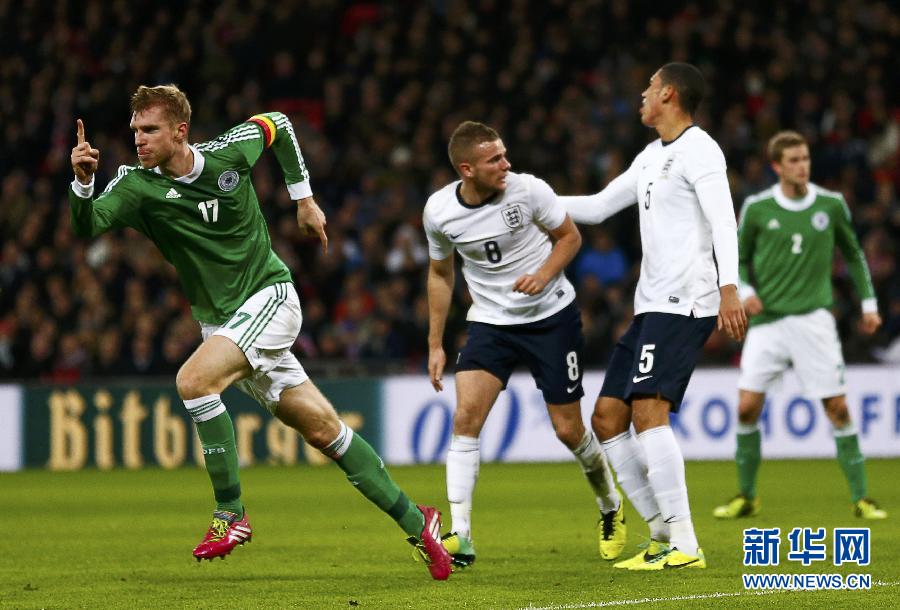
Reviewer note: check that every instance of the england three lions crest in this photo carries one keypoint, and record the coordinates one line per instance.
(512, 216)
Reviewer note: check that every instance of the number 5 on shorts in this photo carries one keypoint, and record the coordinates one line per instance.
(646, 363)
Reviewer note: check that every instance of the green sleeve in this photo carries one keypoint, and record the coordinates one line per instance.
(746, 241)
(278, 133)
(846, 241)
(113, 209)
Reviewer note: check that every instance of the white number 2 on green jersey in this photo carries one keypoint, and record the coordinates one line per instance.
(798, 242)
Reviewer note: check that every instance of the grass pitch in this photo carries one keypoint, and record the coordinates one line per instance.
(123, 540)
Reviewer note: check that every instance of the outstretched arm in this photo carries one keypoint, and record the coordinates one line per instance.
(594, 209)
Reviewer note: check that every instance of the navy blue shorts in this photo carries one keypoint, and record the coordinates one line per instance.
(550, 348)
(656, 355)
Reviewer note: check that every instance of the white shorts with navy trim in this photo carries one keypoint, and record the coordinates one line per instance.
(264, 328)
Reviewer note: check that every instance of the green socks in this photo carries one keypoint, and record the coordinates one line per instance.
(747, 457)
(365, 471)
(851, 461)
(219, 450)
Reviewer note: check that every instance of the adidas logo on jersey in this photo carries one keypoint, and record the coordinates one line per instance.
(173, 194)
(774, 224)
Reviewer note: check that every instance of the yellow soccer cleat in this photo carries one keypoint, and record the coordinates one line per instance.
(461, 549)
(611, 529)
(673, 559)
(653, 550)
(738, 506)
(866, 508)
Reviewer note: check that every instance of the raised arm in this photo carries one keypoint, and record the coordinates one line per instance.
(91, 217)
(85, 159)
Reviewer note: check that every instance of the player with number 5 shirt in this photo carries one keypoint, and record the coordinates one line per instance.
(688, 285)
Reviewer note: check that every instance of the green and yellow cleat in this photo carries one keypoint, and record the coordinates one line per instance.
(673, 559)
(866, 508)
(461, 549)
(651, 551)
(738, 506)
(611, 529)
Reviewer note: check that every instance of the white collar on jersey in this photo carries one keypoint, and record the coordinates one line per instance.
(795, 205)
(199, 164)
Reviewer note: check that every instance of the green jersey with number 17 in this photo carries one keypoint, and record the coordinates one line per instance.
(208, 223)
(786, 249)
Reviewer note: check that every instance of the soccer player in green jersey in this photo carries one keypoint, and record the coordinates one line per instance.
(787, 235)
(197, 204)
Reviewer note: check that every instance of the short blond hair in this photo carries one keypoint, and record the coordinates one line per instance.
(780, 141)
(173, 101)
(465, 138)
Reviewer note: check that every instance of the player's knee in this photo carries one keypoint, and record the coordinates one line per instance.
(605, 427)
(747, 414)
(569, 433)
(321, 435)
(837, 411)
(190, 384)
(650, 414)
(750, 406)
(466, 421)
(308, 412)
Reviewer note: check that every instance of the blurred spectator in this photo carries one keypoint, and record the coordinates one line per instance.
(601, 259)
(374, 90)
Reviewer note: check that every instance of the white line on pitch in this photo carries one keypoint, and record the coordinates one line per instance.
(678, 598)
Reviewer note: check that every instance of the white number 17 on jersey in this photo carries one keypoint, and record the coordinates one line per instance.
(205, 206)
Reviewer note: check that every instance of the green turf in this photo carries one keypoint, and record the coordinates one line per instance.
(123, 540)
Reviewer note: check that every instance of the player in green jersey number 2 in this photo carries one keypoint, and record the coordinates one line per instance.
(197, 204)
(787, 236)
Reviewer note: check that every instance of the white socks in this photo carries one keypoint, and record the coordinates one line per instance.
(747, 428)
(665, 470)
(847, 430)
(596, 470)
(204, 408)
(627, 459)
(463, 460)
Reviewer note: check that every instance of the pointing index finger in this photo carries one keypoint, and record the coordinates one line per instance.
(80, 131)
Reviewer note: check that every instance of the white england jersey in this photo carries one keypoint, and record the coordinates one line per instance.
(688, 227)
(499, 241)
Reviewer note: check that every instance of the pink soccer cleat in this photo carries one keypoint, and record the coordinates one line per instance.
(429, 545)
(225, 533)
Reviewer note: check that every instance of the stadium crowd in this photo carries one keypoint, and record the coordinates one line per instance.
(374, 89)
